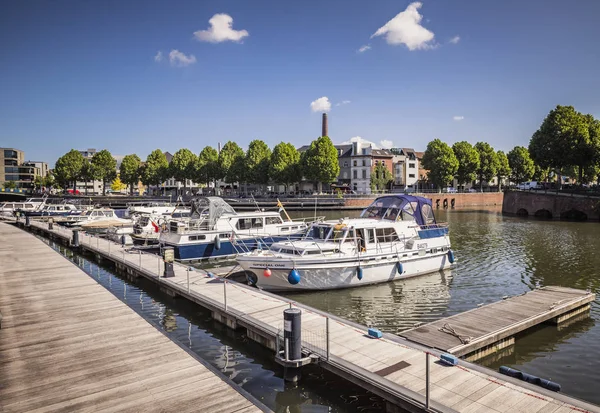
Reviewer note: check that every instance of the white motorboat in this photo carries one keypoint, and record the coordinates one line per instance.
(150, 207)
(147, 227)
(93, 215)
(395, 237)
(8, 209)
(216, 230)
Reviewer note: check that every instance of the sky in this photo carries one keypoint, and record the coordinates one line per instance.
(132, 76)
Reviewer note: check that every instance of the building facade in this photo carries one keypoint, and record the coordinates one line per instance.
(14, 169)
(362, 164)
(406, 169)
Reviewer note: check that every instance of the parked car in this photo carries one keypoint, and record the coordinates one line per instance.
(527, 186)
(449, 190)
(471, 190)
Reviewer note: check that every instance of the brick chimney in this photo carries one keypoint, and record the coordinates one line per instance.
(324, 130)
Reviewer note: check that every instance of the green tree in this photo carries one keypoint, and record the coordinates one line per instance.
(503, 170)
(381, 178)
(10, 185)
(38, 182)
(156, 168)
(87, 173)
(285, 164)
(49, 180)
(183, 167)
(129, 171)
(231, 161)
(440, 161)
(68, 168)
(320, 162)
(566, 139)
(521, 164)
(468, 162)
(207, 165)
(258, 158)
(540, 174)
(105, 168)
(488, 163)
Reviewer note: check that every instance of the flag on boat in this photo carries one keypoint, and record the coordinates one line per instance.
(155, 226)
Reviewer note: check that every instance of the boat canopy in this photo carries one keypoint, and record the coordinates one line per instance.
(401, 208)
(210, 208)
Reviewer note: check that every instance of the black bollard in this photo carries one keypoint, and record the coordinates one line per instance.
(75, 240)
(50, 224)
(292, 337)
(27, 223)
(169, 257)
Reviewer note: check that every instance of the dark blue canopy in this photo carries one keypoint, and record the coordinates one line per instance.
(401, 207)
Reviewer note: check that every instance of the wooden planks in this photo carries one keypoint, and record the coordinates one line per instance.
(68, 344)
(488, 324)
(465, 388)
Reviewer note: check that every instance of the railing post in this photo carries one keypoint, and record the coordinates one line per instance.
(225, 294)
(327, 335)
(188, 279)
(140, 254)
(427, 380)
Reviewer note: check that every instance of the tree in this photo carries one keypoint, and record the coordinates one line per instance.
(68, 168)
(38, 182)
(207, 165)
(488, 163)
(183, 166)
(230, 156)
(320, 162)
(566, 139)
(49, 180)
(440, 161)
(155, 170)
(117, 185)
(380, 178)
(10, 185)
(105, 168)
(503, 170)
(468, 162)
(521, 164)
(129, 171)
(284, 167)
(87, 173)
(258, 158)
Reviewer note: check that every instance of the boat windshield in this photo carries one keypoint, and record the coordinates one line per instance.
(318, 232)
(392, 209)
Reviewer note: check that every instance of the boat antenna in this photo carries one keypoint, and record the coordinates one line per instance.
(280, 206)
(255, 203)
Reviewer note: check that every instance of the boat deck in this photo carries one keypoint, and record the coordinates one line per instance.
(68, 344)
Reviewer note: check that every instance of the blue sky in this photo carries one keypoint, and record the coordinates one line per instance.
(84, 75)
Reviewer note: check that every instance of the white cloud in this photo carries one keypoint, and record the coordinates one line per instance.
(406, 29)
(158, 57)
(220, 30)
(458, 118)
(455, 40)
(386, 144)
(364, 48)
(363, 142)
(321, 105)
(343, 102)
(179, 59)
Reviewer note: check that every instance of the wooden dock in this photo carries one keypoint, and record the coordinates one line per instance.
(392, 367)
(68, 344)
(482, 331)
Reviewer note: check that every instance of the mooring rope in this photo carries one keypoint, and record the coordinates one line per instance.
(449, 330)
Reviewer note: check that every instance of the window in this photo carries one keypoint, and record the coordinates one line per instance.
(364, 151)
(364, 162)
(355, 176)
(10, 154)
(376, 162)
(364, 174)
(371, 235)
(345, 164)
(345, 175)
(249, 223)
(224, 235)
(196, 237)
(383, 163)
(273, 220)
(10, 162)
(411, 175)
(355, 162)
(386, 235)
(411, 165)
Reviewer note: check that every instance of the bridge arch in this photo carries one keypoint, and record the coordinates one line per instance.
(543, 214)
(522, 212)
(573, 215)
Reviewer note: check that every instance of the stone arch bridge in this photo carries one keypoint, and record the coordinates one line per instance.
(551, 205)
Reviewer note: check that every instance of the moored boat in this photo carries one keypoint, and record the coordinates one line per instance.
(396, 237)
(216, 230)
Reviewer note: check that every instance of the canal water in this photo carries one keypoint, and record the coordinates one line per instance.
(245, 362)
(497, 256)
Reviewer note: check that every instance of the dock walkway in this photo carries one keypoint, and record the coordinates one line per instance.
(484, 330)
(68, 344)
(391, 367)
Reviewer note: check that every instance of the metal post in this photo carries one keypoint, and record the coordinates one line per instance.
(27, 221)
(225, 294)
(292, 333)
(109, 242)
(140, 254)
(98, 243)
(188, 279)
(76, 238)
(427, 380)
(327, 335)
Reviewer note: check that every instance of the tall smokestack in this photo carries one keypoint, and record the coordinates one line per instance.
(324, 130)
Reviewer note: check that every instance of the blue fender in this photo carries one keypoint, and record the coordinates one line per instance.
(359, 273)
(399, 267)
(451, 256)
(294, 277)
(217, 242)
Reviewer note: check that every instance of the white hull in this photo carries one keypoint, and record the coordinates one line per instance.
(324, 275)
